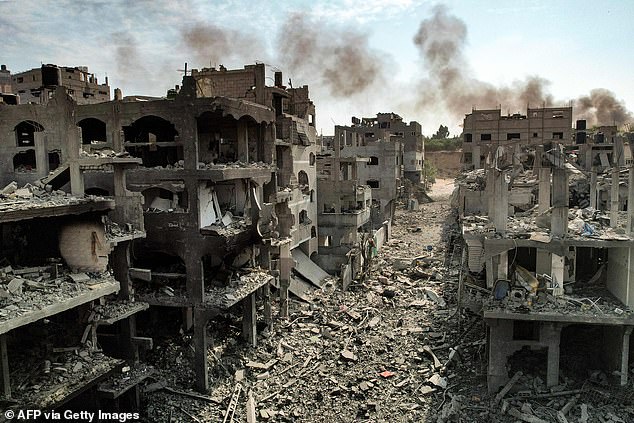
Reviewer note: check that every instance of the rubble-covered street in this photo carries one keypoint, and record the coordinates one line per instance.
(388, 349)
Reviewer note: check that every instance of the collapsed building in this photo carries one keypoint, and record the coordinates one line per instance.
(193, 207)
(67, 308)
(548, 267)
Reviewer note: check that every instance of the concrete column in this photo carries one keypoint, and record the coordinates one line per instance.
(200, 351)
(630, 201)
(266, 297)
(557, 273)
(537, 165)
(559, 221)
(551, 336)
(501, 202)
(76, 179)
(614, 197)
(491, 271)
(490, 192)
(475, 156)
(500, 332)
(195, 278)
(249, 320)
(543, 261)
(503, 265)
(41, 156)
(593, 188)
(243, 142)
(285, 277)
(625, 354)
(544, 190)
(4, 367)
(188, 318)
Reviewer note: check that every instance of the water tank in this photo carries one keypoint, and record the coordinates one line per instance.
(51, 76)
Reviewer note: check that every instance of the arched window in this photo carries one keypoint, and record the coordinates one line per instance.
(25, 133)
(24, 161)
(302, 179)
(92, 130)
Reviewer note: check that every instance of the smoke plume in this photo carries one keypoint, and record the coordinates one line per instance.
(441, 39)
(341, 59)
(602, 108)
(211, 44)
(126, 53)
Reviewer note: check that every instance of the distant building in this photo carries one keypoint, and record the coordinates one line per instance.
(390, 126)
(485, 130)
(38, 84)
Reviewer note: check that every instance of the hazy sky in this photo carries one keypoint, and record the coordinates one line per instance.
(358, 57)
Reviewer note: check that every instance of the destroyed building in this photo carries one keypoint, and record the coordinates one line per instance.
(548, 274)
(383, 171)
(216, 186)
(485, 130)
(599, 147)
(344, 204)
(67, 310)
(37, 85)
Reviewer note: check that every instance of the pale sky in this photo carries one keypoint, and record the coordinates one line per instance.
(576, 45)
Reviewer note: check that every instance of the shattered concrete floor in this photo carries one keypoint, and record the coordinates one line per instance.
(392, 348)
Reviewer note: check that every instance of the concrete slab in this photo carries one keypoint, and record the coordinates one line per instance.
(307, 268)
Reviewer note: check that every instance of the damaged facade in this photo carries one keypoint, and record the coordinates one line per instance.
(485, 130)
(216, 186)
(548, 259)
(37, 85)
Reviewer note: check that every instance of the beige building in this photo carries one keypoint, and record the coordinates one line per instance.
(38, 84)
(485, 130)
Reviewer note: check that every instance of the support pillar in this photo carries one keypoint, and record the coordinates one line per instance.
(188, 318)
(559, 221)
(249, 320)
(285, 277)
(4, 367)
(266, 297)
(551, 336)
(593, 188)
(625, 353)
(614, 197)
(195, 279)
(543, 199)
(200, 351)
(475, 157)
(501, 203)
(557, 274)
(630, 202)
(76, 179)
(243, 142)
(503, 265)
(41, 155)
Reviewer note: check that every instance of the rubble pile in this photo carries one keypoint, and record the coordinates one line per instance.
(582, 223)
(28, 289)
(386, 350)
(31, 196)
(46, 380)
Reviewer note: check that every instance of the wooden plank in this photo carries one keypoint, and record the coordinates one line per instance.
(95, 292)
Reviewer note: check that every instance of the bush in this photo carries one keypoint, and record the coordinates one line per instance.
(446, 144)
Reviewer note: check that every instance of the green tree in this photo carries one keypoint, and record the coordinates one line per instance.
(442, 133)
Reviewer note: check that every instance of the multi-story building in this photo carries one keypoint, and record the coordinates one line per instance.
(390, 127)
(227, 179)
(383, 170)
(67, 309)
(485, 130)
(38, 84)
(344, 204)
